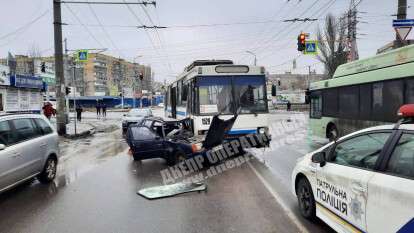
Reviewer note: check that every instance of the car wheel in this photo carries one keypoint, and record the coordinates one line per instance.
(306, 200)
(333, 133)
(49, 171)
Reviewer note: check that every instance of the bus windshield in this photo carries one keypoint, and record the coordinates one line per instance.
(225, 95)
(215, 95)
(250, 94)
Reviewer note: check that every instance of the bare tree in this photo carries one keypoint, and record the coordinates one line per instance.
(332, 44)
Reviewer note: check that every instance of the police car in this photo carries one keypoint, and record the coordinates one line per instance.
(363, 182)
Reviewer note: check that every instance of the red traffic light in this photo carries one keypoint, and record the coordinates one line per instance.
(301, 41)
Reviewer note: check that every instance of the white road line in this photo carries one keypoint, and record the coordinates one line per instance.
(289, 213)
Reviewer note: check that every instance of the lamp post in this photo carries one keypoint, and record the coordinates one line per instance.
(255, 57)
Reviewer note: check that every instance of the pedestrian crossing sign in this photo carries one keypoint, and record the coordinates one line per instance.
(82, 55)
(311, 47)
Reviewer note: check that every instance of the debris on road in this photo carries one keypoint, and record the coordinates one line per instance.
(171, 190)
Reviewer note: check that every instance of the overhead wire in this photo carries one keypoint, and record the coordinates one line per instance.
(104, 30)
(25, 26)
(84, 26)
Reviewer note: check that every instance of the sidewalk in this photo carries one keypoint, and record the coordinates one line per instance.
(82, 130)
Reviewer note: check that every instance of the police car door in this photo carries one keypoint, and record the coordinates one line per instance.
(390, 205)
(341, 185)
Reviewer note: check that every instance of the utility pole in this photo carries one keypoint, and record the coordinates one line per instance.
(352, 32)
(401, 14)
(60, 78)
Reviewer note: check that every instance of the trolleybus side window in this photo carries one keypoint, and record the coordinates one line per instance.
(349, 102)
(365, 102)
(387, 97)
(316, 105)
(409, 91)
(330, 102)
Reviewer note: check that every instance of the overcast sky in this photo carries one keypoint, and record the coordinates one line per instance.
(208, 29)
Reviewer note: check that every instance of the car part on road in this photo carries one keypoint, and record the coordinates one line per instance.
(171, 190)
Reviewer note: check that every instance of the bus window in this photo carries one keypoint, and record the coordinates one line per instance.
(409, 91)
(393, 99)
(365, 102)
(316, 105)
(348, 102)
(330, 102)
(377, 101)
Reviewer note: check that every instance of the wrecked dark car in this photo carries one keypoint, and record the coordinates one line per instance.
(173, 140)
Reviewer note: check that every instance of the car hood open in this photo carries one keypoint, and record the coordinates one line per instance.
(217, 131)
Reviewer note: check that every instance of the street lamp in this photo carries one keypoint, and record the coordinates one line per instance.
(255, 58)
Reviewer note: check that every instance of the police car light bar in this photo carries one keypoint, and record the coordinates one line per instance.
(406, 111)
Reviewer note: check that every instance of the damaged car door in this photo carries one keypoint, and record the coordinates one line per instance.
(145, 143)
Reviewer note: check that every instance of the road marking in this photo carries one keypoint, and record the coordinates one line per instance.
(289, 213)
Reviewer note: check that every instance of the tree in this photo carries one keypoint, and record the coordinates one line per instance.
(332, 44)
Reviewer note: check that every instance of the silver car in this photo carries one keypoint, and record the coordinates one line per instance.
(28, 148)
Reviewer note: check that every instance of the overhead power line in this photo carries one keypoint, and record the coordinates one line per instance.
(145, 3)
(84, 26)
(104, 30)
(299, 20)
(18, 30)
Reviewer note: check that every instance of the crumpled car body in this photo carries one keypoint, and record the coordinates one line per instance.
(173, 140)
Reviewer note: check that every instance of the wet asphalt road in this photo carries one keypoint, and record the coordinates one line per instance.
(95, 191)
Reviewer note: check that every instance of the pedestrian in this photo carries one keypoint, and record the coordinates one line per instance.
(288, 105)
(48, 110)
(104, 110)
(79, 111)
(98, 109)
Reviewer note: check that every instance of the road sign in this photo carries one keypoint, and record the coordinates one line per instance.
(311, 47)
(82, 55)
(403, 27)
(403, 23)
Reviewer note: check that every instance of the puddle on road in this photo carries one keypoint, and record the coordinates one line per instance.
(83, 155)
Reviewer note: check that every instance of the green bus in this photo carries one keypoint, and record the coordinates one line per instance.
(362, 94)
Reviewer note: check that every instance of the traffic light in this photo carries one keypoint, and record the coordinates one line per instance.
(141, 76)
(68, 90)
(43, 67)
(279, 83)
(301, 41)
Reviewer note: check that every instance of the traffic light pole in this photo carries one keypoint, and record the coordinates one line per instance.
(60, 79)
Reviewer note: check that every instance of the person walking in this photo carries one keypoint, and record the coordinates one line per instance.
(98, 109)
(288, 105)
(104, 110)
(48, 110)
(79, 111)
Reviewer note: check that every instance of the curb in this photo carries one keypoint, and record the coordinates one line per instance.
(83, 134)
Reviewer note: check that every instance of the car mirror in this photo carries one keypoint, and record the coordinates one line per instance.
(2, 146)
(319, 157)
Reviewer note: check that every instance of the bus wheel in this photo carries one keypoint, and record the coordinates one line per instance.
(332, 133)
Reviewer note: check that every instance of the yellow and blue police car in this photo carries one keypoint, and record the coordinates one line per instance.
(363, 182)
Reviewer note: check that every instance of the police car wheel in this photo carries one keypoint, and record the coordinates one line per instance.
(305, 199)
